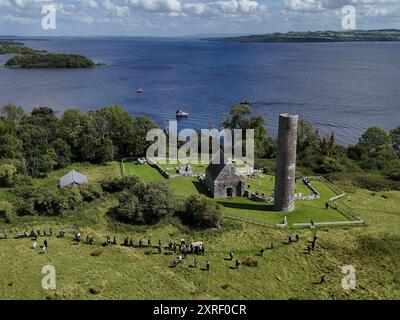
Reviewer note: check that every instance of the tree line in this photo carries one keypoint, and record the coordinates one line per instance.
(36, 143)
(33, 144)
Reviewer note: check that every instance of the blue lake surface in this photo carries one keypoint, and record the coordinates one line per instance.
(339, 87)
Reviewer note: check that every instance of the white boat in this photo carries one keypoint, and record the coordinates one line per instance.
(180, 113)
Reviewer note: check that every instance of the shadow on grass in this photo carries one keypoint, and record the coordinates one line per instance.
(201, 188)
(246, 206)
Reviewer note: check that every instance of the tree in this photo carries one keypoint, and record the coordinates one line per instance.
(395, 135)
(63, 153)
(307, 137)
(12, 112)
(138, 144)
(7, 173)
(41, 162)
(74, 124)
(201, 211)
(240, 118)
(10, 147)
(328, 146)
(374, 138)
(116, 124)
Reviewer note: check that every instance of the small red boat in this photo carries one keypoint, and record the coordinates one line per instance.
(139, 90)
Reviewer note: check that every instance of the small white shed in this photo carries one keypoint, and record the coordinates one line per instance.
(73, 178)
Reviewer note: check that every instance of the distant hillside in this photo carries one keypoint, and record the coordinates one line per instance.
(318, 36)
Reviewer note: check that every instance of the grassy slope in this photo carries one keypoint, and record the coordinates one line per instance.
(130, 273)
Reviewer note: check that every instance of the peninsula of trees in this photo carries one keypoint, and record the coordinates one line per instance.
(30, 58)
(319, 36)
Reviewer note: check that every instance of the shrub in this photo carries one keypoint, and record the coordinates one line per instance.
(144, 204)
(201, 211)
(250, 262)
(120, 184)
(25, 208)
(46, 201)
(7, 173)
(96, 253)
(22, 180)
(377, 183)
(394, 175)
(6, 211)
(90, 192)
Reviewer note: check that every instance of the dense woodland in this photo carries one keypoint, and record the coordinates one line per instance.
(36, 143)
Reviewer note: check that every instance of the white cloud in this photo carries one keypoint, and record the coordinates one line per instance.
(119, 11)
(5, 3)
(18, 20)
(89, 4)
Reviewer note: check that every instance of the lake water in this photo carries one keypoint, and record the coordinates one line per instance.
(339, 87)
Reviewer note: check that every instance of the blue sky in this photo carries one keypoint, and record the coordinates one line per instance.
(188, 17)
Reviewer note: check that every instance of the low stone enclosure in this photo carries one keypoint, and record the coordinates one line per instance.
(184, 170)
(305, 180)
(332, 202)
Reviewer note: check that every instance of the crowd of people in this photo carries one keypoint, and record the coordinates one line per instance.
(182, 248)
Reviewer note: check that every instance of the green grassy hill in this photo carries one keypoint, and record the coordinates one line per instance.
(285, 272)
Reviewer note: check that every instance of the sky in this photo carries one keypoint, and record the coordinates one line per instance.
(190, 17)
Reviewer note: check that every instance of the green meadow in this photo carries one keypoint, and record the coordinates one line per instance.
(285, 272)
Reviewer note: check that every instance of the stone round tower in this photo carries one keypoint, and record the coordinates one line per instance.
(285, 176)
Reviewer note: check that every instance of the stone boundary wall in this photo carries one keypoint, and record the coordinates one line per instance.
(152, 163)
(328, 223)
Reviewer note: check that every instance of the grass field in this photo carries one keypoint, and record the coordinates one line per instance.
(266, 183)
(285, 272)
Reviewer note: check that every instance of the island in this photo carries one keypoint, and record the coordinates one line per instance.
(31, 58)
(50, 60)
(318, 36)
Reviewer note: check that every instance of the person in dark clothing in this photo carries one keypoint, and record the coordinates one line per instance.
(326, 205)
(262, 252)
(237, 264)
(149, 242)
(208, 265)
(322, 279)
(140, 243)
(175, 246)
(297, 236)
(231, 255)
(126, 242)
(45, 243)
(131, 243)
(290, 239)
(313, 242)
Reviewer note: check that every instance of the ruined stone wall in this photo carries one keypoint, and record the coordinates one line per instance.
(226, 179)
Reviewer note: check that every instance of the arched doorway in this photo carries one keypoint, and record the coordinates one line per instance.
(229, 192)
